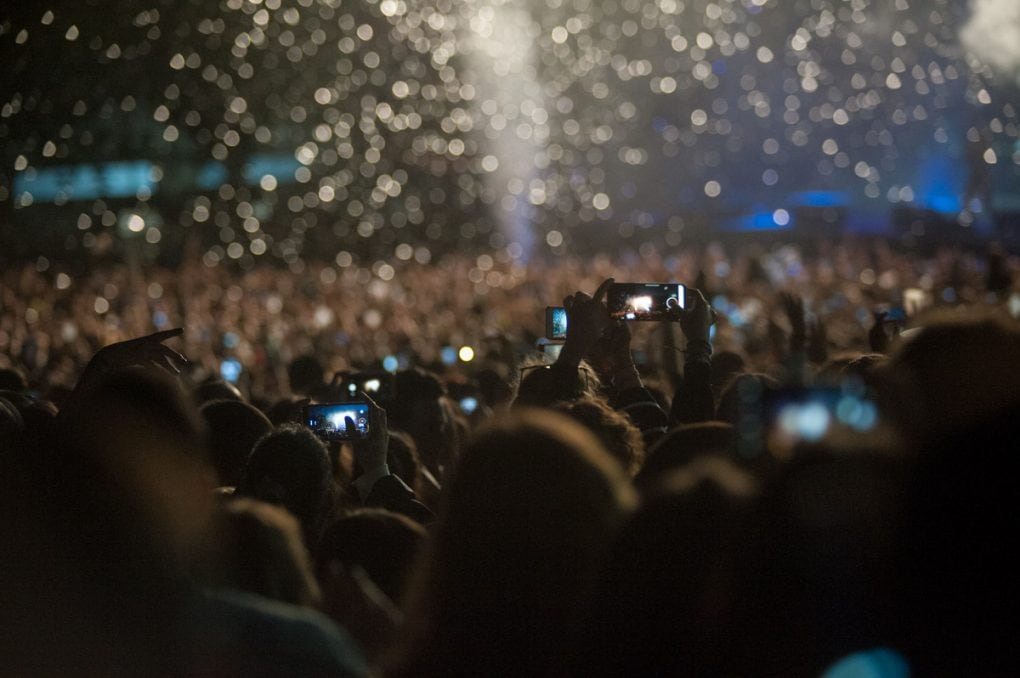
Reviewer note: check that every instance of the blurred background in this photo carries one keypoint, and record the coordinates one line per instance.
(339, 131)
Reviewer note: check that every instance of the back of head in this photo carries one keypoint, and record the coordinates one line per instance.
(684, 444)
(12, 379)
(954, 371)
(544, 385)
(528, 517)
(290, 467)
(661, 606)
(383, 544)
(419, 410)
(261, 551)
(234, 428)
(617, 433)
(215, 388)
(741, 387)
(110, 506)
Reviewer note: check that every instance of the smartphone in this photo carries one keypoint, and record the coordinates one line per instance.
(379, 386)
(786, 416)
(328, 421)
(555, 322)
(230, 370)
(646, 301)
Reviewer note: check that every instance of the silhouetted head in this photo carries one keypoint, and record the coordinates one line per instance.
(542, 385)
(290, 467)
(383, 544)
(418, 409)
(12, 379)
(661, 606)
(684, 444)
(953, 371)
(260, 550)
(234, 428)
(215, 388)
(617, 433)
(741, 389)
(528, 516)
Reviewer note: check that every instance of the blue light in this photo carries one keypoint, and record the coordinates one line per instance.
(86, 182)
(282, 167)
(822, 199)
(211, 176)
(878, 662)
(448, 355)
(940, 183)
(390, 364)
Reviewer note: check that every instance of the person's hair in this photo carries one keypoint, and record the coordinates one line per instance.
(741, 387)
(661, 604)
(956, 369)
(12, 379)
(684, 444)
(215, 388)
(383, 544)
(419, 409)
(286, 411)
(109, 506)
(411, 387)
(402, 457)
(290, 467)
(528, 516)
(234, 428)
(617, 433)
(541, 385)
(858, 366)
(259, 549)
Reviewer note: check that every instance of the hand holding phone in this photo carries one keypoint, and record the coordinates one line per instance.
(587, 320)
(370, 450)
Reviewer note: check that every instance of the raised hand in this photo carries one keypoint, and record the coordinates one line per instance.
(370, 452)
(611, 356)
(587, 319)
(147, 351)
(696, 320)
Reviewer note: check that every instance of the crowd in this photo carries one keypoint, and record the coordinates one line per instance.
(808, 471)
(52, 320)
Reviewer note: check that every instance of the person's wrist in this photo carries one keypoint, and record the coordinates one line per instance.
(369, 477)
(698, 350)
(571, 355)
